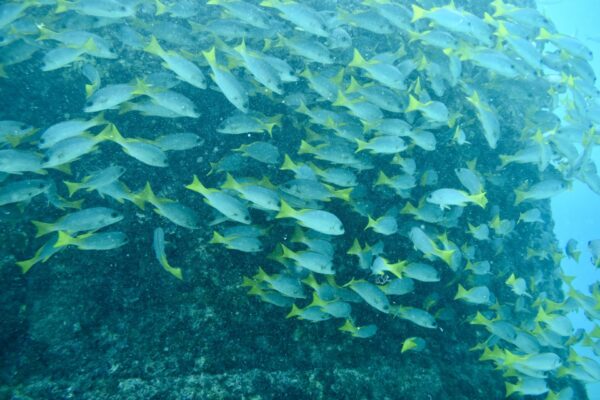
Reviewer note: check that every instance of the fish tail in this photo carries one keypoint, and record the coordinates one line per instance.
(460, 293)
(343, 194)
(520, 197)
(341, 100)
(544, 34)
(479, 199)
(413, 104)
(306, 148)
(269, 3)
(511, 388)
(154, 47)
(26, 265)
(286, 211)
(418, 13)
(358, 60)
(176, 272)
(295, 312)
(360, 145)
(287, 253)
(72, 187)
(348, 327)
(211, 56)
(64, 240)
(288, 164)
(408, 209)
(230, 183)
(445, 255)
(62, 6)
(197, 186)
(45, 33)
(161, 8)
(43, 228)
(354, 86)
(217, 238)
(382, 179)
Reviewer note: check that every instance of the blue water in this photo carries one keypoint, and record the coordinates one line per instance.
(576, 212)
(183, 317)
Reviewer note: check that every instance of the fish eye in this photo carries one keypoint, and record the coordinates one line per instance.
(46, 159)
(40, 185)
(122, 8)
(114, 214)
(512, 66)
(246, 218)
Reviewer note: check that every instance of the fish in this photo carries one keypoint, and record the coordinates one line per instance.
(178, 141)
(382, 145)
(371, 294)
(452, 197)
(43, 254)
(414, 343)
(92, 241)
(434, 111)
(415, 315)
(101, 8)
(174, 211)
(185, 70)
(260, 69)
(386, 74)
(67, 129)
(318, 220)
(302, 16)
(227, 82)
(405, 114)
(109, 97)
(89, 219)
(362, 332)
(475, 295)
(309, 313)
(240, 123)
(22, 191)
(285, 284)
(158, 245)
(228, 205)
(517, 285)
(260, 196)
(423, 243)
(594, 248)
(385, 225)
(310, 260)
(540, 191)
(13, 161)
(264, 152)
(246, 244)
(96, 180)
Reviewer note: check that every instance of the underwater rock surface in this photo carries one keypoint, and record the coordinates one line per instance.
(398, 149)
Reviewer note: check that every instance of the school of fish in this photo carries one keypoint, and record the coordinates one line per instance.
(372, 156)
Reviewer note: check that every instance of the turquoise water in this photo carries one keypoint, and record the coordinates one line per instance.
(574, 211)
(298, 200)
